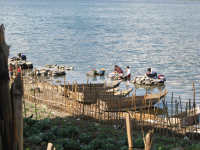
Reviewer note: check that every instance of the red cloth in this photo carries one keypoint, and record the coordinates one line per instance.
(19, 70)
(11, 68)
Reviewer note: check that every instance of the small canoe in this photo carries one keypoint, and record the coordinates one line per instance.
(91, 73)
(94, 72)
(58, 73)
(119, 103)
(124, 92)
(113, 90)
(112, 84)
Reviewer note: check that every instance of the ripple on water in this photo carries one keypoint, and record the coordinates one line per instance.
(89, 35)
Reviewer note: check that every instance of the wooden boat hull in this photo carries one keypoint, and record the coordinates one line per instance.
(120, 92)
(87, 93)
(130, 103)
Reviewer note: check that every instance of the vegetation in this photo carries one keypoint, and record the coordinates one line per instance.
(68, 133)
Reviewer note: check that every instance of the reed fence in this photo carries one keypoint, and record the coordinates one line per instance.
(180, 119)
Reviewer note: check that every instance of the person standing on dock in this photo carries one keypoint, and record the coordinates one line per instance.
(127, 77)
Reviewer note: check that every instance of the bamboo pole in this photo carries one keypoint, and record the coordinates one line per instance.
(129, 131)
(35, 105)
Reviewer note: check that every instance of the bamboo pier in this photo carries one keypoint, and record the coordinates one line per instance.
(181, 120)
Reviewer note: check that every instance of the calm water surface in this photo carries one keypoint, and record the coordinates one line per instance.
(87, 34)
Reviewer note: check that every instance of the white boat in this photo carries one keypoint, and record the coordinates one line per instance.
(145, 80)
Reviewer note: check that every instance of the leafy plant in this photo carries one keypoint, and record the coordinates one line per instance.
(71, 144)
(45, 124)
(67, 132)
(85, 138)
(97, 143)
(138, 143)
(35, 139)
(193, 147)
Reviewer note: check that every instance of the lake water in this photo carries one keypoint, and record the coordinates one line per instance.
(88, 34)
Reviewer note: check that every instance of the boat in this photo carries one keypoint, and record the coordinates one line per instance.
(113, 89)
(120, 103)
(88, 93)
(91, 73)
(57, 73)
(95, 72)
(149, 81)
(150, 87)
(22, 63)
(115, 76)
(59, 67)
(188, 117)
(112, 84)
(117, 91)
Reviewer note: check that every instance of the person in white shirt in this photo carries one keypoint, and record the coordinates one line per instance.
(128, 74)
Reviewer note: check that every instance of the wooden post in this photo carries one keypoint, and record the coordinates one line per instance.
(16, 97)
(148, 139)
(50, 147)
(129, 131)
(10, 135)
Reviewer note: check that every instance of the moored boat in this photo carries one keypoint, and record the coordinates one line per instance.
(148, 81)
(88, 93)
(112, 84)
(124, 92)
(119, 103)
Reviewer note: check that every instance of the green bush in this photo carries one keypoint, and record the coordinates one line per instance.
(123, 140)
(58, 147)
(49, 136)
(158, 146)
(193, 147)
(34, 139)
(71, 144)
(61, 141)
(86, 147)
(103, 135)
(29, 121)
(69, 132)
(109, 146)
(97, 143)
(30, 131)
(85, 138)
(125, 147)
(44, 124)
(138, 143)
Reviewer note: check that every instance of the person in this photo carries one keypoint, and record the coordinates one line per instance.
(151, 73)
(118, 69)
(128, 74)
(148, 72)
(11, 70)
(102, 72)
(19, 70)
(118, 72)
